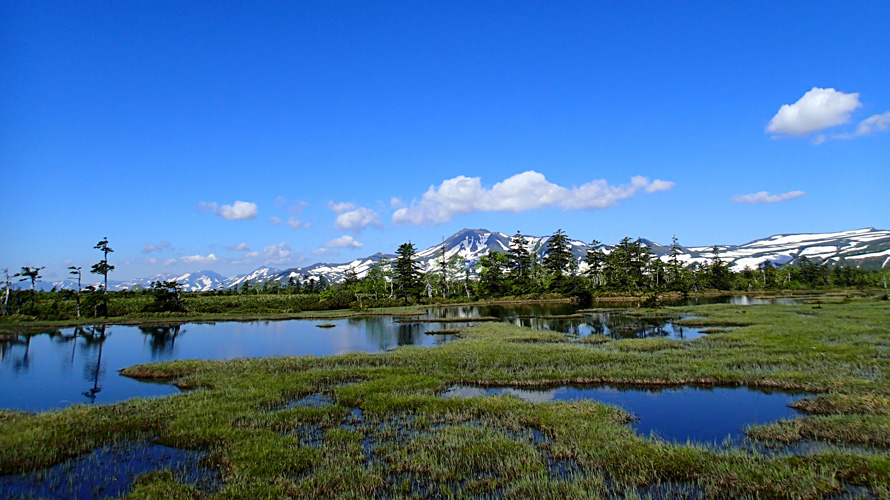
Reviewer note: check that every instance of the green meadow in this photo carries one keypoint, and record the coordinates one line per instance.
(376, 425)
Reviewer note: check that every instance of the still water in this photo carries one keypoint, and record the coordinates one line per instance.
(568, 318)
(714, 416)
(80, 365)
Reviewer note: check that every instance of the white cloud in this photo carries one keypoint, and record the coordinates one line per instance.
(252, 254)
(344, 242)
(818, 109)
(325, 251)
(154, 247)
(240, 247)
(278, 253)
(202, 259)
(358, 219)
(659, 185)
(291, 222)
(240, 210)
(526, 191)
(341, 207)
(872, 124)
(396, 202)
(352, 218)
(764, 197)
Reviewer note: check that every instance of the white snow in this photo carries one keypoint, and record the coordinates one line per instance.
(868, 255)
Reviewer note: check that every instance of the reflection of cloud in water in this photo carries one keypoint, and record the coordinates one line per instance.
(541, 396)
(532, 396)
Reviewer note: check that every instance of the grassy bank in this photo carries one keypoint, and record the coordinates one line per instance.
(361, 425)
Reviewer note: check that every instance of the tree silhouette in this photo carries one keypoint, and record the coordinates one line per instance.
(76, 271)
(103, 268)
(32, 274)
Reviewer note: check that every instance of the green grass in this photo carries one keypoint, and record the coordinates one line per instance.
(389, 433)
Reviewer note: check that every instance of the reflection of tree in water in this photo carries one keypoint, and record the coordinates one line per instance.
(621, 326)
(61, 337)
(94, 338)
(617, 326)
(7, 352)
(453, 312)
(409, 333)
(384, 333)
(162, 339)
(377, 330)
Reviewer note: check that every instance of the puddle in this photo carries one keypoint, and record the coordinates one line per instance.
(712, 416)
(316, 400)
(109, 471)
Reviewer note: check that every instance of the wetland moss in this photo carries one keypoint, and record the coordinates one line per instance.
(385, 431)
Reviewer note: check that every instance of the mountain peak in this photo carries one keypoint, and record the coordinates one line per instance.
(867, 248)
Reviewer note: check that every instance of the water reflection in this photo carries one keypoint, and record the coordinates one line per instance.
(18, 362)
(162, 340)
(715, 415)
(569, 318)
(94, 338)
(47, 371)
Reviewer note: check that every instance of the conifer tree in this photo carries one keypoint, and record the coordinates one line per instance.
(491, 274)
(594, 260)
(718, 274)
(558, 260)
(518, 257)
(407, 271)
(519, 264)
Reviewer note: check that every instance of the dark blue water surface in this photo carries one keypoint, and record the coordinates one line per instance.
(679, 414)
(109, 472)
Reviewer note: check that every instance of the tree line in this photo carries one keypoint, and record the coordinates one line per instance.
(627, 268)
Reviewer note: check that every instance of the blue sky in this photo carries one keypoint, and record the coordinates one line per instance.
(231, 135)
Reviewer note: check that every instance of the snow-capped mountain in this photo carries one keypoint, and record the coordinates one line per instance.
(260, 275)
(198, 281)
(865, 248)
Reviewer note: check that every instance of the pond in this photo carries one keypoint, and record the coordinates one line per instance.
(80, 365)
(713, 416)
(572, 319)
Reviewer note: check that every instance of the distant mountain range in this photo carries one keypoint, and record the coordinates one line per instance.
(864, 248)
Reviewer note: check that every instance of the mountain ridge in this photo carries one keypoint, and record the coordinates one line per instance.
(867, 248)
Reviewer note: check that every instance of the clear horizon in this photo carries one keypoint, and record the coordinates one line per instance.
(229, 136)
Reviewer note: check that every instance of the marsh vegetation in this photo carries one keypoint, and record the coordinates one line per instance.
(377, 425)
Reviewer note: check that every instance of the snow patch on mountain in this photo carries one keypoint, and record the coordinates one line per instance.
(867, 248)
